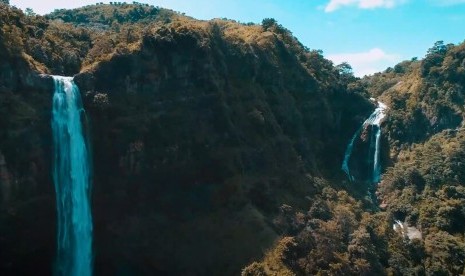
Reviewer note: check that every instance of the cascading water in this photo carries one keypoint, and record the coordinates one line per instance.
(348, 153)
(71, 174)
(405, 230)
(374, 120)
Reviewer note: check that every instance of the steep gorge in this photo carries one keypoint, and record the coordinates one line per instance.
(418, 228)
(200, 130)
(217, 144)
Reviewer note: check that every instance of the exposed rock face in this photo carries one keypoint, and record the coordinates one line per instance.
(26, 201)
(199, 135)
(16, 75)
(5, 182)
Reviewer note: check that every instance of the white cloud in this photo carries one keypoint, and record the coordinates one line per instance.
(366, 63)
(363, 4)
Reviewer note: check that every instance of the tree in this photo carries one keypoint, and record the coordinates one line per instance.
(12, 37)
(438, 48)
(29, 12)
(268, 23)
(5, 2)
(345, 69)
(446, 253)
(434, 57)
(346, 74)
(362, 253)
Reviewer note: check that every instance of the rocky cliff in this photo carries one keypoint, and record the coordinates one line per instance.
(200, 131)
(217, 145)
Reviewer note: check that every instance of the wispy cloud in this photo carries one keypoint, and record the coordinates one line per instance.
(366, 63)
(363, 4)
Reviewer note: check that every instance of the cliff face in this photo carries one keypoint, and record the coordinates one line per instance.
(26, 193)
(214, 142)
(199, 139)
(200, 131)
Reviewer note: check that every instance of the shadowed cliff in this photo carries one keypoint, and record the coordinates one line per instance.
(201, 132)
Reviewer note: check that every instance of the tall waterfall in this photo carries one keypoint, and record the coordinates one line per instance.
(71, 174)
(374, 120)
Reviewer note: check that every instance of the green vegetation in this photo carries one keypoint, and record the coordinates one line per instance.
(425, 96)
(226, 139)
(335, 237)
(103, 15)
(424, 186)
(200, 131)
(65, 41)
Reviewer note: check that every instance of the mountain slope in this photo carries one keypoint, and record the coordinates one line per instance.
(201, 130)
(419, 227)
(217, 144)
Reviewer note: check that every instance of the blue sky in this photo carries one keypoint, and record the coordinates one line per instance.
(370, 34)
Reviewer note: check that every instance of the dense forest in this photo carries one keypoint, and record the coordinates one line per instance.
(422, 186)
(217, 149)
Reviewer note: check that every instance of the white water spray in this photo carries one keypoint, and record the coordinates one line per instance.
(71, 174)
(375, 121)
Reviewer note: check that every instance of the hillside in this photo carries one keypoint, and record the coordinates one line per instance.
(201, 130)
(422, 187)
(217, 148)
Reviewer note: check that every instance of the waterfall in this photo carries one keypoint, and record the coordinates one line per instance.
(345, 163)
(71, 175)
(376, 163)
(379, 114)
(374, 120)
(398, 225)
(410, 232)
